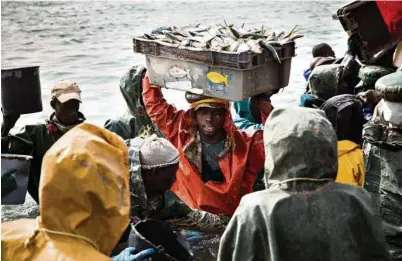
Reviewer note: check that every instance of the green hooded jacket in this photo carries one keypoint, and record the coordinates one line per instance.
(303, 215)
(135, 120)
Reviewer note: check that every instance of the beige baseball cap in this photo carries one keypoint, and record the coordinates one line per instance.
(66, 90)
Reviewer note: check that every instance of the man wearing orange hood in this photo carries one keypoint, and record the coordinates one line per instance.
(218, 163)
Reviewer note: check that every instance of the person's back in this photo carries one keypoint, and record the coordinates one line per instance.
(303, 215)
(84, 201)
(346, 116)
(293, 226)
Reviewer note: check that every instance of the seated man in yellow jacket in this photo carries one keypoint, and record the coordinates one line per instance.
(345, 114)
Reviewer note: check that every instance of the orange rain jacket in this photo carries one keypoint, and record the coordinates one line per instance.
(242, 158)
(84, 201)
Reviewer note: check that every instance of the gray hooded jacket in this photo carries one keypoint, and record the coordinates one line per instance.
(303, 215)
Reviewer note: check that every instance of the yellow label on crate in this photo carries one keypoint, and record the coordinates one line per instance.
(217, 78)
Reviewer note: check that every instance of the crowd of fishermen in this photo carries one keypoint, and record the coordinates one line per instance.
(322, 181)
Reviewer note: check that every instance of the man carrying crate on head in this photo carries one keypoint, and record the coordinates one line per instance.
(218, 163)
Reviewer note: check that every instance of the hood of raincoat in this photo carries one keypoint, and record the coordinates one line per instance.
(84, 186)
(299, 143)
(135, 121)
(130, 87)
(323, 220)
(325, 81)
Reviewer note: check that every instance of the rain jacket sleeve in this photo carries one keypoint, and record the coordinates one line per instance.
(255, 163)
(20, 143)
(32, 140)
(167, 118)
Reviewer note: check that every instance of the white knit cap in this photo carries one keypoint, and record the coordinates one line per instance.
(157, 152)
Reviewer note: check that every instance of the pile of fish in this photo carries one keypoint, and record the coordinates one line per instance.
(222, 38)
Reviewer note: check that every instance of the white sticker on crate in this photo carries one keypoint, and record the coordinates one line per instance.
(179, 85)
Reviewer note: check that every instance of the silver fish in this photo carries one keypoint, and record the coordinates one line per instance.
(174, 37)
(271, 49)
(235, 33)
(149, 37)
(223, 37)
(280, 36)
(185, 43)
(253, 35)
(233, 47)
(291, 32)
(243, 47)
(254, 46)
(271, 37)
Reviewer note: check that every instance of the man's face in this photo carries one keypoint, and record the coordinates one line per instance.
(159, 180)
(210, 120)
(67, 113)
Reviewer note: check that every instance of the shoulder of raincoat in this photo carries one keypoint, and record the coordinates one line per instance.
(304, 215)
(382, 148)
(350, 163)
(168, 207)
(32, 140)
(84, 201)
(240, 161)
(242, 117)
(135, 120)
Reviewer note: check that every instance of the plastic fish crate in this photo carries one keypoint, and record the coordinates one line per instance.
(241, 61)
(226, 75)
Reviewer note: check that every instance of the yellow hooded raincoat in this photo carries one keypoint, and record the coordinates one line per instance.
(84, 201)
(350, 163)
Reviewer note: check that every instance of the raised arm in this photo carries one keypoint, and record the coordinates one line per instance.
(164, 115)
